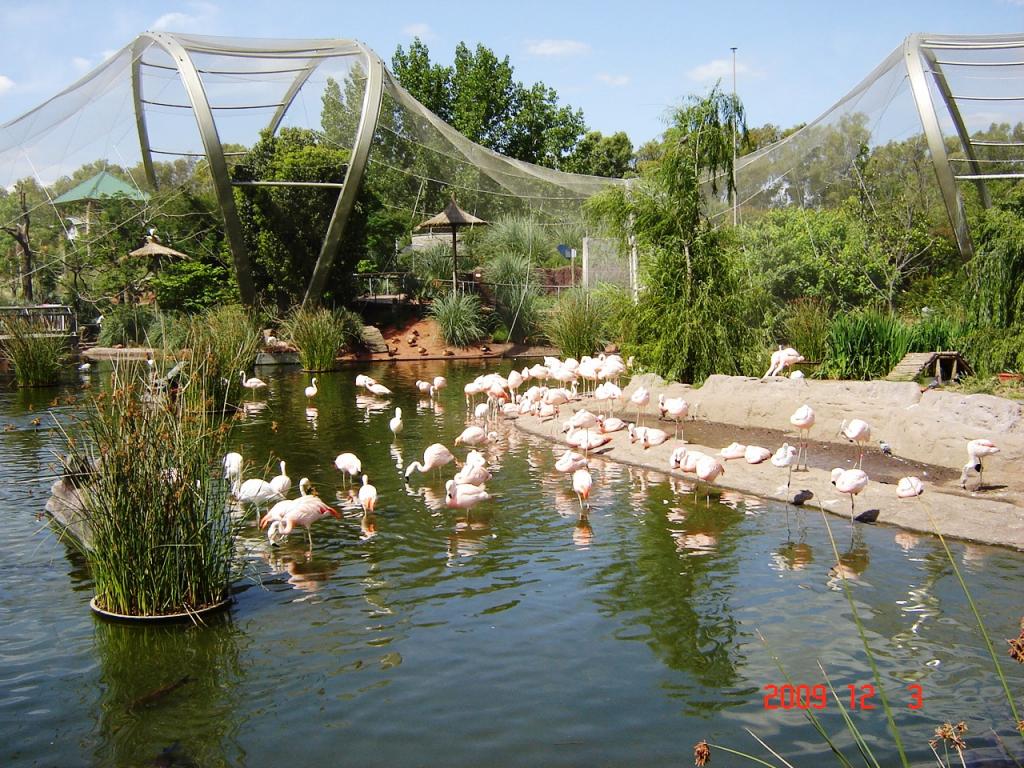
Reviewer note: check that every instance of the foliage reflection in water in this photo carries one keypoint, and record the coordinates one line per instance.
(515, 633)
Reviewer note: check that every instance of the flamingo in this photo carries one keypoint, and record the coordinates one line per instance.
(464, 496)
(396, 423)
(278, 511)
(785, 457)
(252, 384)
(586, 440)
(474, 435)
(570, 461)
(582, 482)
(440, 382)
(708, 468)
(473, 473)
(640, 398)
(282, 483)
(481, 411)
(257, 493)
(976, 451)
(610, 424)
(311, 390)
(434, 457)
(378, 389)
(851, 481)
(803, 420)
(647, 436)
(232, 463)
(733, 451)
(675, 407)
(909, 488)
(425, 387)
(367, 496)
(303, 511)
(349, 464)
(755, 454)
(857, 431)
(782, 359)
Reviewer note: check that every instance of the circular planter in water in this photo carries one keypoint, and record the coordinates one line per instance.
(195, 616)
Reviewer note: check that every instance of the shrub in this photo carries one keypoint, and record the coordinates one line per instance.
(460, 318)
(319, 334)
(126, 324)
(516, 295)
(160, 533)
(37, 358)
(864, 345)
(576, 323)
(432, 270)
(521, 235)
(806, 324)
(223, 341)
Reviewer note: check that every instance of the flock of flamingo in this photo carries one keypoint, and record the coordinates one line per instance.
(558, 383)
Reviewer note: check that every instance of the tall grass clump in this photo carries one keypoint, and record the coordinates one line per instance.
(517, 234)
(37, 358)
(460, 318)
(806, 324)
(432, 270)
(161, 537)
(517, 299)
(318, 334)
(865, 344)
(126, 324)
(222, 341)
(577, 321)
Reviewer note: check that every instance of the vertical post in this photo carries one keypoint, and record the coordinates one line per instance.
(735, 201)
(455, 262)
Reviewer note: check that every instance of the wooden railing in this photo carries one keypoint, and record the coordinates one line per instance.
(52, 319)
(404, 286)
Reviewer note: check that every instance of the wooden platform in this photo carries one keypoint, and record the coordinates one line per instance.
(943, 366)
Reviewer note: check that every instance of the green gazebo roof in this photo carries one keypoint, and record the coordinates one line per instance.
(103, 184)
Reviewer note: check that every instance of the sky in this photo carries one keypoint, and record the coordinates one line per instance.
(625, 64)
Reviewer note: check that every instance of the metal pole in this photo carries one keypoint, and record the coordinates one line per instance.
(735, 201)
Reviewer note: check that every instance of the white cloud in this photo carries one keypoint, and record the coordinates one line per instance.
(556, 47)
(616, 81)
(419, 29)
(720, 69)
(80, 63)
(199, 18)
(5, 83)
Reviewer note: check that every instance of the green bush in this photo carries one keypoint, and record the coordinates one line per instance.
(432, 271)
(518, 234)
(460, 318)
(126, 324)
(576, 322)
(319, 334)
(192, 286)
(37, 358)
(806, 324)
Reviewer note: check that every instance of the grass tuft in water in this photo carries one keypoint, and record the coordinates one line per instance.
(37, 358)
(319, 334)
(161, 537)
(222, 341)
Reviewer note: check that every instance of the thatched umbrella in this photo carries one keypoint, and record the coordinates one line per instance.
(449, 220)
(154, 247)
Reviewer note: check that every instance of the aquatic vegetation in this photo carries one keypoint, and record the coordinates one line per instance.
(222, 341)
(319, 334)
(161, 534)
(37, 358)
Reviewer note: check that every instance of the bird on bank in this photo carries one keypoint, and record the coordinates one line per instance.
(856, 431)
(781, 360)
(676, 408)
(311, 390)
(803, 420)
(640, 398)
(850, 481)
(909, 488)
(785, 457)
(976, 451)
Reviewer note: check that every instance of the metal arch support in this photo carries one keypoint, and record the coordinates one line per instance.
(372, 99)
(138, 48)
(958, 121)
(215, 156)
(940, 159)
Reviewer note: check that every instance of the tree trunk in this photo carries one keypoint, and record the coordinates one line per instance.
(19, 232)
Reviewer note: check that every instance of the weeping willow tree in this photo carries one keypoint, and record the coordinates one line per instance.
(699, 311)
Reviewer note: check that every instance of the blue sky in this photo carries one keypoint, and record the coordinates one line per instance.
(624, 63)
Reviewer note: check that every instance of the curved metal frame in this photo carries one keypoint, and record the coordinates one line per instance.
(940, 159)
(372, 98)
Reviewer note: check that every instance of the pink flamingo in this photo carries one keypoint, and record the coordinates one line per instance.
(463, 495)
(675, 407)
(434, 457)
(851, 481)
(303, 511)
(785, 457)
(782, 359)
(909, 488)
(976, 451)
(640, 398)
(582, 482)
(856, 431)
(803, 420)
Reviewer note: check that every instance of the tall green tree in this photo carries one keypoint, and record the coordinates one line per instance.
(599, 155)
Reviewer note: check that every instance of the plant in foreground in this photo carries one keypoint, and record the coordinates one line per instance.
(319, 334)
(459, 318)
(161, 539)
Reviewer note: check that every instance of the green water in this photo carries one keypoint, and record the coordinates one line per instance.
(514, 636)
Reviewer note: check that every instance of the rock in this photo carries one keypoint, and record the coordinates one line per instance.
(611, 349)
(373, 340)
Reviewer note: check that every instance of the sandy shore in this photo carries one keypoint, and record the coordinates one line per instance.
(928, 433)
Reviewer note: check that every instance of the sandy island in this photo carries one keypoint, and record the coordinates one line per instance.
(927, 432)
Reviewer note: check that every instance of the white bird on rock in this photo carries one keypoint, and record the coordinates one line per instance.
(785, 457)
(856, 431)
(803, 420)
(909, 488)
(976, 451)
(781, 360)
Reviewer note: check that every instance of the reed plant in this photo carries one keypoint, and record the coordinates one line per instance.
(161, 537)
(221, 341)
(460, 318)
(806, 325)
(36, 355)
(519, 234)
(865, 344)
(432, 270)
(576, 323)
(517, 299)
(126, 324)
(318, 334)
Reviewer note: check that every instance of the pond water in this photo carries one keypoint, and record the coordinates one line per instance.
(514, 636)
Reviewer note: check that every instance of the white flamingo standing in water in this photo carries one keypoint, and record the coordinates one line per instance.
(434, 457)
(282, 483)
(349, 464)
(396, 424)
(303, 511)
(582, 482)
(311, 390)
(463, 495)
(252, 384)
(856, 431)
(803, 420)
(367, 496)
